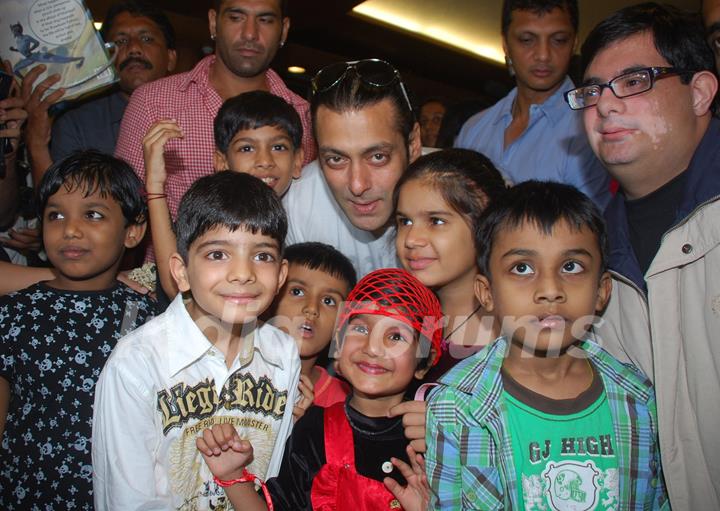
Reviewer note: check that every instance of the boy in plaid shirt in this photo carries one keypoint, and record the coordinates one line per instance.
(543, 418)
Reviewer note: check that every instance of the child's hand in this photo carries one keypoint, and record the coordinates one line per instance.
(224, 452)
(307, 396)
(416, 495)
(153, 146)
(413, 413)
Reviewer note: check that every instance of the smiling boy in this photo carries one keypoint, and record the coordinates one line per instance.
(543, 418)
(205, 361)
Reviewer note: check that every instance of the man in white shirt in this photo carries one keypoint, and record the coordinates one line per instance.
(367, 135)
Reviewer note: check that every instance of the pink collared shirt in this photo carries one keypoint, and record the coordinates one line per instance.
(193, 103)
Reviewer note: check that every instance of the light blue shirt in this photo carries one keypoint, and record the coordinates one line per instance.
(553, 147)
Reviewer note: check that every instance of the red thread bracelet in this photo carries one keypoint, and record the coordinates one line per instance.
(248, 477)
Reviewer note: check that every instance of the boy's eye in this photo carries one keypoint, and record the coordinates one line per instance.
(216, 255)
(572, 267)
(245, 149)
(265, 257)
(54, 215)
(329, 301)
(522, 269)
(94, 215)
(279, 147)
(296, 291)
(434, 220)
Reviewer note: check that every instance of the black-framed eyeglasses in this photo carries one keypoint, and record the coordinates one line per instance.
(373, 72)
(623, 86)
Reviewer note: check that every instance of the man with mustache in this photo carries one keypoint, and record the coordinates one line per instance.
(530, 134)
(247, 35)
(145, 42)
(648, 89)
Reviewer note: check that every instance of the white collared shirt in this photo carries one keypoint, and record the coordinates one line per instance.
(162, 386)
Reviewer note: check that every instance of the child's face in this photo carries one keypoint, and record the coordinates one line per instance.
(307, 307)
(544, 289)
(266, 153)
(85, 238)
(434, 242)
(378, 356)
(233, 275)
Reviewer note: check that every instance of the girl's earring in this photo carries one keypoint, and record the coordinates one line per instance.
(509, 64)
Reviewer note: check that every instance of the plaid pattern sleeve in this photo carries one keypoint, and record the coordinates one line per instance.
(468, 456)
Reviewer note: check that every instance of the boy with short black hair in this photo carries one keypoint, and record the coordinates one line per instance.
(205, 361)
(543, 418)
(255, 132)
(56, 335)
(319, 279)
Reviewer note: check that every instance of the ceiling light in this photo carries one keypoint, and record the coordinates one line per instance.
(97, 25)
(296, 70)
(382, 11)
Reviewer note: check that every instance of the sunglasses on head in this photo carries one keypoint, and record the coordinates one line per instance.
(373, 72)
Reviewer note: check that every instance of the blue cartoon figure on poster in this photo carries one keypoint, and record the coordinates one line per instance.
(26, 46)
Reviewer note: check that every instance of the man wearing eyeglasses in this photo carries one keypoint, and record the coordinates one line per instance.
(367, 135)
(646, 97)
(530, 133)
(247, 35)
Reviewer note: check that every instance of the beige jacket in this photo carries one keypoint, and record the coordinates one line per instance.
(676, 342)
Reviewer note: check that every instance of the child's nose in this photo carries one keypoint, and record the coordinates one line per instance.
(71, 229)
(241, 271)
(416, 236)
(550, 289)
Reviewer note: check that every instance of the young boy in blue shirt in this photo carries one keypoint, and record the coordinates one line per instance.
(543, 418)
(207, 360)
(56, 335)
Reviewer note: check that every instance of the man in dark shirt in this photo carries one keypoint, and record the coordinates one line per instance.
(648, 88)
(145, 42)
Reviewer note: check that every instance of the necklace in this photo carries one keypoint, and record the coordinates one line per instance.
(366, 432)
(446, 339)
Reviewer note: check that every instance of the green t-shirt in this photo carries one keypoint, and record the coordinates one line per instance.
(564, 450)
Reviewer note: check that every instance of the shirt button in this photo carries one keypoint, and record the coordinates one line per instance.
(687, 248)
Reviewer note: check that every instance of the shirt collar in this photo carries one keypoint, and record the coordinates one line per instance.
(554, 107)
(199, 75)
(187, 344)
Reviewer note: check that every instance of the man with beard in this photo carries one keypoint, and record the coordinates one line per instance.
(247, 35)
(530, 133)
(145, 42)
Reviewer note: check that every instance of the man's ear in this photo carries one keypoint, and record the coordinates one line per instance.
(704, 85)
(172, 60)
(298, 162)
(212, 22)
(220, 161)
(285, 30)
(178, 270)
(604, 292)
(483, 292)
(415, 143)
(134, 234)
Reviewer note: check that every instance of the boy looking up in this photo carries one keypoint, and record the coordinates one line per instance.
(319, 279)
(255, 132)
(543, 418)
(56, 335)
(205, 361)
